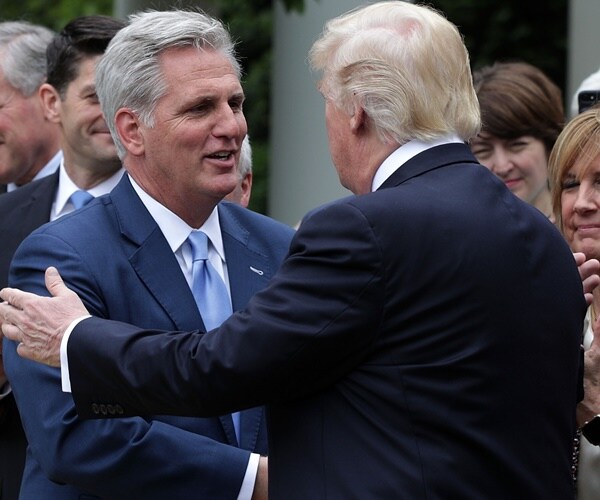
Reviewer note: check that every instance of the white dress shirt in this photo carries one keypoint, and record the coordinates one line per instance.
(176, 232)
(66, 187)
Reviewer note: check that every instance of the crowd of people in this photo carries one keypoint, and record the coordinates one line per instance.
(420, 338)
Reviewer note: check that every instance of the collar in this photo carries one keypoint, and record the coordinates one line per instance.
(66, 187)
(404, 153)
(175, 230)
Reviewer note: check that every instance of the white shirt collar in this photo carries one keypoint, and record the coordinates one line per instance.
(404, 153)
(66, 187)
(175, 230)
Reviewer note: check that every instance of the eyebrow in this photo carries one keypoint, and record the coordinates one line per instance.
(88, 88)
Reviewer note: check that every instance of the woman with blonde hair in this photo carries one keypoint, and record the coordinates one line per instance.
(574, 172)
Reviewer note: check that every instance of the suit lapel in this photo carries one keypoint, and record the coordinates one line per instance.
(249, 271)
(153, 261)
(35, 211)
(430, 159)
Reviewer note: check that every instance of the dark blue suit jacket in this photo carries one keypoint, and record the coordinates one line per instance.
(23, 210)
(419, 342)
(114, 255)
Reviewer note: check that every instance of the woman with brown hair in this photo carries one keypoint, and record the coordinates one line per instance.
(522, 114)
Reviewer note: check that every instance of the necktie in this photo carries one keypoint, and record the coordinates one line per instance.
(208, 288)
(210, 293)
(80, 198)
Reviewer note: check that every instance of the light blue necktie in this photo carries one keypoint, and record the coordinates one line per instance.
(80, 198)
(210, 293)
(208, 287)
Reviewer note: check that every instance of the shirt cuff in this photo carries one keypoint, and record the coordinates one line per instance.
(250, 478)
(64, 360)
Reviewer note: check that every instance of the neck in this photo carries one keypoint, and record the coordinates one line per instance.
(85, 178)
(543, 202)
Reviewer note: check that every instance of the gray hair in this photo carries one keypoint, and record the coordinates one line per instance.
(406, 65)
(23, 54)
(245, 163)
(129, 74)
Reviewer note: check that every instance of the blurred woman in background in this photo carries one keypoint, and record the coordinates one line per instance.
(522, 114)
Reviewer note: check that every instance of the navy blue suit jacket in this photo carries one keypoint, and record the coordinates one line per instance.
(421, 341)
(23, 210)
(115, 256)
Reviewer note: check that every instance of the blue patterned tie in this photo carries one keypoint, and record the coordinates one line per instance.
(210, 293)
(80, 198)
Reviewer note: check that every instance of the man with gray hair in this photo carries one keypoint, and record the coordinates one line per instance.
(422, 338)
(169, 87)
(243, 189)
(29, 149)
(29, 143)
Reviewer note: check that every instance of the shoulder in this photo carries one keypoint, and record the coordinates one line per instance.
(234, 217)
(36, 188)
(91, 224)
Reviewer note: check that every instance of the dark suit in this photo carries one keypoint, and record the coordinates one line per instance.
(12, 449)
(421, 341)
(113, 253)
(22, 211)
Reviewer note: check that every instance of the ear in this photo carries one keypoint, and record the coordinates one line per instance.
(358, 120)
(51, 102)
(129, 130)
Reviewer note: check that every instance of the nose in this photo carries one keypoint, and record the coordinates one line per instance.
(585, 200)
(500, 162)
(230, 124)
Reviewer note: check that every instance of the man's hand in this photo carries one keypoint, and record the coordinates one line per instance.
(589, 271)
(39, 323)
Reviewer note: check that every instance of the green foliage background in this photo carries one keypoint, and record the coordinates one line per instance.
(493, 30)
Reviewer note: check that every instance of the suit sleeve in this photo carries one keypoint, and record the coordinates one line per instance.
(121, 458)
(314, 322)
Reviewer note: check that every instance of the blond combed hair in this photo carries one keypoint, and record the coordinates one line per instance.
(405, 64)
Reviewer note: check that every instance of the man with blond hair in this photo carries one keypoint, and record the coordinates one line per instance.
(421, 339)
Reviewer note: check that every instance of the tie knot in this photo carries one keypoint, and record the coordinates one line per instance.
(80, 198)
(199, 243)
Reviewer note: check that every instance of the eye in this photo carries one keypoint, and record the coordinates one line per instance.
(236, 103)
(481, 151)
(568, 184)
(518, 144)
(202, 108)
